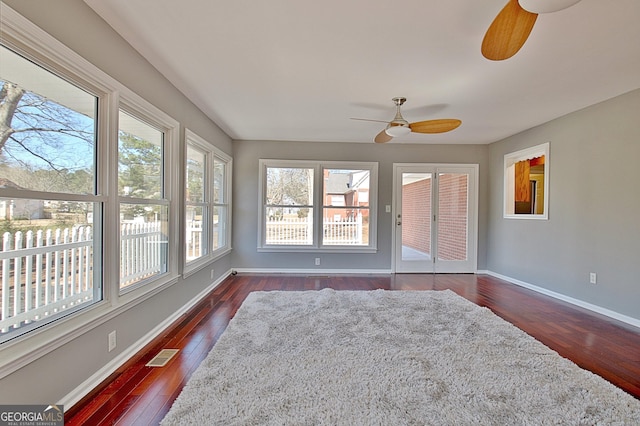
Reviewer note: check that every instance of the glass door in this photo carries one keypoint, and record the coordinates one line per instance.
(434, 218)
(413, 219)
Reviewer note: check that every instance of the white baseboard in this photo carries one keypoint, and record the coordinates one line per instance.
(314, 272)
(99, 376)
(586, 305)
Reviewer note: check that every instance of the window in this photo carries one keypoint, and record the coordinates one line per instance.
(49, 208)
(73, 176)
(526, 183)
(345, 208)
(144, 206)
(327, 206)
(208, 202)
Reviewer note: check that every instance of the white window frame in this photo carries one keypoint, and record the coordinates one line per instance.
(318, 206)
(145, 112)
(97, 199)
(212, 155)
(24, 37)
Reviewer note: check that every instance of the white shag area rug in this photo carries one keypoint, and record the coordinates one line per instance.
(388, 358)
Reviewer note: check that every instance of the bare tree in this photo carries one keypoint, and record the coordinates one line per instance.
(10, 96)
(38, 135)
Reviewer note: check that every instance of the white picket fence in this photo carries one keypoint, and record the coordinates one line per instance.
(141, 252)
(195, 242)
(299, 231)
(46, 272)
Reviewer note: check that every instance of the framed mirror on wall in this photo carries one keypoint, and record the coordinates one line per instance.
(526, 183)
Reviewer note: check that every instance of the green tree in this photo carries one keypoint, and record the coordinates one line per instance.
(139, 173)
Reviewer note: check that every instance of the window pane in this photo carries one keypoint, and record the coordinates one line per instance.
(346, 187)
(195, 237)
(416, 215)
(139, 159)
(289, 226)
(219, 227)
(195, 175)
(219, 173)
(47, 260)
(48, 136)
(345, 218)
(143, 242)
(345, 226)
(452, 218)
(289, 186)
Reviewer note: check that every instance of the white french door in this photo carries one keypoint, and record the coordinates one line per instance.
(435, 218)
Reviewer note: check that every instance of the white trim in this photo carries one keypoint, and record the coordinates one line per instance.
(577, 302)
(99, 376)
(314, 272)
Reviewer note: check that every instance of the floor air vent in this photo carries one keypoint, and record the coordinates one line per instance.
(163, 357)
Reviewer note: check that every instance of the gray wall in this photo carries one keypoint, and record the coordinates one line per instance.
(594, 207)
(56, 374)
(246, 209)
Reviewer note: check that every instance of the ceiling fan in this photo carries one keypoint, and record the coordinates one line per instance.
(400, 127)
(510, 29)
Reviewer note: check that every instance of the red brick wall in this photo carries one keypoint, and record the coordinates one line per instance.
(452, 216)
(416, 215)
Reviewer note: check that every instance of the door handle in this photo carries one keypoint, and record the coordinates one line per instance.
(398, 223)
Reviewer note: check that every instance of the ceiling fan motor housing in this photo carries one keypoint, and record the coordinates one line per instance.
(546, 6)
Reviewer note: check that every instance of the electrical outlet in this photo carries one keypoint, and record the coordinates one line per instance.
(112, 340)
(317, 261)
(592, 277)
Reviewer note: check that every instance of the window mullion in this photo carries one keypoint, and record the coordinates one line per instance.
(209, 178)
(319, 203)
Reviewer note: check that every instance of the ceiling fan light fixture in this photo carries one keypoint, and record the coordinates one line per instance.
(545, 6)
(398, 130)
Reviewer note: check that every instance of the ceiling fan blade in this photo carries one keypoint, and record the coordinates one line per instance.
(435, 126)
(367, 119)
(508, 32)
(382, 137)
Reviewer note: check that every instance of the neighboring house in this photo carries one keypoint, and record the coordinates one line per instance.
(19, 209)
(345, 190)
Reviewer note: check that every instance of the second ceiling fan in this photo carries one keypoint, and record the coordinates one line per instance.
(511, 28)
(400, 127)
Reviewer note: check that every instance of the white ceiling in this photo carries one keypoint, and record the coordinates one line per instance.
(300, 69)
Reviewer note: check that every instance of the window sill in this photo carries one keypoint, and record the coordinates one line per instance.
(298, 249)
(197, 265)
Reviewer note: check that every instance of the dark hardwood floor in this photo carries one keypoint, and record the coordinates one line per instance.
(139, 395)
